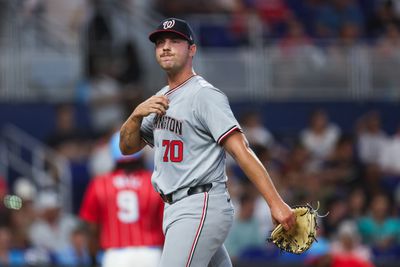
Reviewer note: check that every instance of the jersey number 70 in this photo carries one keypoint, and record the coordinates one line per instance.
(173, 150)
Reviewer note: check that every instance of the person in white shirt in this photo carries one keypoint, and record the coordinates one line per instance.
(319, 138)
(371, 138)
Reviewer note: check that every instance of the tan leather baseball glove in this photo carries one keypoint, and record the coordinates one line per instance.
(301, 236)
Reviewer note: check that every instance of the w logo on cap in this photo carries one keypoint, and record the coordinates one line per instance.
(173, 25)
(168, 24)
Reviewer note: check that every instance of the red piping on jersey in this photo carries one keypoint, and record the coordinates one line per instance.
(179, 86)
(196, 239)
(223, 136)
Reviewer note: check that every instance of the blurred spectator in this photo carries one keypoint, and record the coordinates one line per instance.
(341, 167)
(347, 245)
(51, 17)
(295, 172)
(337, 13)
(22, 219)
(35, 256)
(176, 8)
(119, 204)
(384, 14)
(130, 76)
(8, 255)
(318, 249)
(346, 261)
(25, 189)
(386, 54)
(389, 160)
(379, 229)
(230, 6)
(273, 14)
(100, 159)
(98, 38)
(372, 179)
(357, 203)
(349, 36)
(52, 229)
(255, 131)
(66, 138)
(245, 231)
(102, 94)
(295, 40)
(307, 12)
(272, 164)
(77, 252)
(71, 142)
(171, 8)
(371, 138)
(388, 43)
(320, 137)
(130, 68)
(338, 212)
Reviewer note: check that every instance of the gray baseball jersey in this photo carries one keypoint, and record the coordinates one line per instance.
(187, 138)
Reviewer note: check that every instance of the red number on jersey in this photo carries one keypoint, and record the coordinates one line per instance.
(173, 150)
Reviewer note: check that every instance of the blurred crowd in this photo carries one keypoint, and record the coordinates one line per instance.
(347, 21)
(355, 176)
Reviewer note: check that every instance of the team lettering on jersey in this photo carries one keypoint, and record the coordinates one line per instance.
(168, 123)
(127, 182)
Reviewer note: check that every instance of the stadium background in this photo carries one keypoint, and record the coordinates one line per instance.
(70, 72)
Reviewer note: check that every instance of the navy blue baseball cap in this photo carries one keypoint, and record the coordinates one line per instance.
(174, 25)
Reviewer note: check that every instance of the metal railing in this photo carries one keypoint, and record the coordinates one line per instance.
(256, 72)
(24, 155)
(309, 73)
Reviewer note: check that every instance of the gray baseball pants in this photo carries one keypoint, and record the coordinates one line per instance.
(195, 229)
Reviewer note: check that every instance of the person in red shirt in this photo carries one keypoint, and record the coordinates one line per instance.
(124, 213)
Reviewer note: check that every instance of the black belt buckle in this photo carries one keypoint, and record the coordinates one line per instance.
(199, 189)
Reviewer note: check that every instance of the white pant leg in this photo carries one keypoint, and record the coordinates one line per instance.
(132, 257)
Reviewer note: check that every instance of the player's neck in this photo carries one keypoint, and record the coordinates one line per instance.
(176, 79)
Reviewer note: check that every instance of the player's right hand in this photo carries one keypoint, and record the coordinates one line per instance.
(157, 104)
(283, 214)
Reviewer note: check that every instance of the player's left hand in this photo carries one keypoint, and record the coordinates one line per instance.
(284, 215)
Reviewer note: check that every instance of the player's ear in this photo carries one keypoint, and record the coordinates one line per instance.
(192, 50)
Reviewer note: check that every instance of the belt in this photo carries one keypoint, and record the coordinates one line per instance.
(168, 198)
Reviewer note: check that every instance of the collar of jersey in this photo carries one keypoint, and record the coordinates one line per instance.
(170, 91)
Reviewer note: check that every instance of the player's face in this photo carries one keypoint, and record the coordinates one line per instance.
(174, 53)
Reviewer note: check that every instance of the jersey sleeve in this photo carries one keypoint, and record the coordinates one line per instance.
(146, 130)
(211, 107)
(90, 208)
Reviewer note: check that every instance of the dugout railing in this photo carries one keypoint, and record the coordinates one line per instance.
(24, 156)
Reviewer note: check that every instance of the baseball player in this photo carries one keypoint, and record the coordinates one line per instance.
(125, 209)
(190, 125)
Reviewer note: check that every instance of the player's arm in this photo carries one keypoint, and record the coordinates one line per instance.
(130, 140)
(237, 146)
